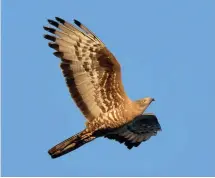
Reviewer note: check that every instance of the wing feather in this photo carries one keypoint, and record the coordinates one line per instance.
(92, 73)
(134, 133)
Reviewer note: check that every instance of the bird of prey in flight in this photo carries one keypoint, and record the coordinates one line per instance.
(93, 76)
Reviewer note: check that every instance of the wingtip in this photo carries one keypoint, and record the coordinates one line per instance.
(60, 20)
(77, 22)
(54, 46)
(49, 37)
(51, 30)
(58, 54)
(52, 22)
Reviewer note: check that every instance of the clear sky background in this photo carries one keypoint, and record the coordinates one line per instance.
(166, 50)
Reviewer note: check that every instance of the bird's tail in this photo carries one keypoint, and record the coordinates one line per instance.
(71, 144)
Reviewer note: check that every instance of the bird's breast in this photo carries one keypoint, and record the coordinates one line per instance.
(115, 118)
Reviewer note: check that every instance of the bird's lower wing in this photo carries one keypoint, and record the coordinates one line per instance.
(139, 130)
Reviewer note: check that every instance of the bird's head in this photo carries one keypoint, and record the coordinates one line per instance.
(144, 103)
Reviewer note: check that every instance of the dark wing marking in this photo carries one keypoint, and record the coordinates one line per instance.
(139, 130)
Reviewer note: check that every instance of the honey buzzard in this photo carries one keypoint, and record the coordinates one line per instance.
(93, 76)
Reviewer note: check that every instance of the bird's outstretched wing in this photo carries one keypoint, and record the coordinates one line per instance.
(139, 130)
(92, 73)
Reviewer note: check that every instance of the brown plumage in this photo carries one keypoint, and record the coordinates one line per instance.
(93, 76)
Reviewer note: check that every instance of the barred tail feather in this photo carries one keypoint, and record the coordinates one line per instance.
(71, 144)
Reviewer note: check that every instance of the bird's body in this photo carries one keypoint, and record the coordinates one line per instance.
(116, 117)
(93, 77)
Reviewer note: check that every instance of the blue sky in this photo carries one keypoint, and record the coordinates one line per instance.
(166, 50)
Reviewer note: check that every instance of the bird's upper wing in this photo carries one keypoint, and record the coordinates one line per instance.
(140, 129)
(92, 73)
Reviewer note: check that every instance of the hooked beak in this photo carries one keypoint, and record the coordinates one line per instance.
(153, 99)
